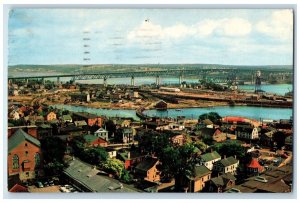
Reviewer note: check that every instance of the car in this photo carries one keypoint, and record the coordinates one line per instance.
(51, 183)
(68, 186)
(261, 179)
(233, 190)
(73, 190)
(39, 184)
(257, 146)
(46, 184)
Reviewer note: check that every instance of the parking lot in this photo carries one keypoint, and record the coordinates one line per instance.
(54, 188)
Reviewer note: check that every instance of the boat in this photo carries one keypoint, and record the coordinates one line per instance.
(177, 109)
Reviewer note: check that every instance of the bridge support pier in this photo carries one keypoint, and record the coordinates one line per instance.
(105, 81)
(180, 79)
(58, 80)
(132, 81)
(157, 82)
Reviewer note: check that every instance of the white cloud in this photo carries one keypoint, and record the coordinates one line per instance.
(231, 27)
(280, 26)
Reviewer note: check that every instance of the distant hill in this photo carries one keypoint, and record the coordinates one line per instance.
(77, 68)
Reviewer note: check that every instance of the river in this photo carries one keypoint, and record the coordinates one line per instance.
(193, 113)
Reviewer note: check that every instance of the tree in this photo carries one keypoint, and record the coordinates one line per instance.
(77, 145)
(230, 149)
(200, 145)
(110, 127)
(126, 177)
(178, 162)
(114, 166)
(213, 116)
(53, 168)
(279, 139)
(95, 155)
(53, 149)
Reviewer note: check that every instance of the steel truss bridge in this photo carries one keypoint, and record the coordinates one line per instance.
(217, 75)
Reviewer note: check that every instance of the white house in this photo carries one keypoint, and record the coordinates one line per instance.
(226, 165)
(209, 159)
(15, 115)
(102, 133)
(249, 133)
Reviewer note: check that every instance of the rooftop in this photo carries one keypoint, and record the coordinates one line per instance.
(86, 115)
(88, 177)
(20, 136)
(210, 156)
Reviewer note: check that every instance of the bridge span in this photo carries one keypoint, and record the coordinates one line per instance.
(180, 73)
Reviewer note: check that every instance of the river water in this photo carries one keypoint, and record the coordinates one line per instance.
(193, 113)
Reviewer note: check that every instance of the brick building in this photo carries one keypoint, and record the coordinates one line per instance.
(24, 155)
(90, 119)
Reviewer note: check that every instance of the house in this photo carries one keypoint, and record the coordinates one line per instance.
(130, 158)
(30, 129)
(94, 141)
(90, 119)
(221, 183)
(247, 133)
(51, 116)
(161, 105)
(196, 182)
(209, 159)
(173, 126)
(121, 123)
(226, 165)
(18, 188)
(80, 97)
(278, 180)
(212, 133)
(44, 130)
(15, 115)
(147, 170)
(66, 118)
(178, 139)
(206, 123)
(88, 179)
(254, 168)
(125, 135)
(24, 155)
(112, 153)
(102, 133)
(80, 123)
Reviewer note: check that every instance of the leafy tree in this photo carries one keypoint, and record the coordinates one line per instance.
(178, 162)
(110, 127)
(126, 177)
(230, 149)
(200, 145)
(77, 145)
(114, 166)
(213, 116)
(95, 155)
(53, 149)
(53, 168)
(279, 139)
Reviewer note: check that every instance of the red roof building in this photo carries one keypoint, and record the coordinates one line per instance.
(254, 166)
(18, 188)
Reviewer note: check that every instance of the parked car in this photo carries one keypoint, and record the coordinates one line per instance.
(51, 183)
(39, 184)
(233, 190)
(46, 184)
(261, 179)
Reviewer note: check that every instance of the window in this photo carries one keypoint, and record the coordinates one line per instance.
(25, 144)
(37, 159)
(27, 174)
(15, 162)
(26, 153)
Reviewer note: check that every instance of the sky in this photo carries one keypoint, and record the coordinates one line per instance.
(150, 36)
